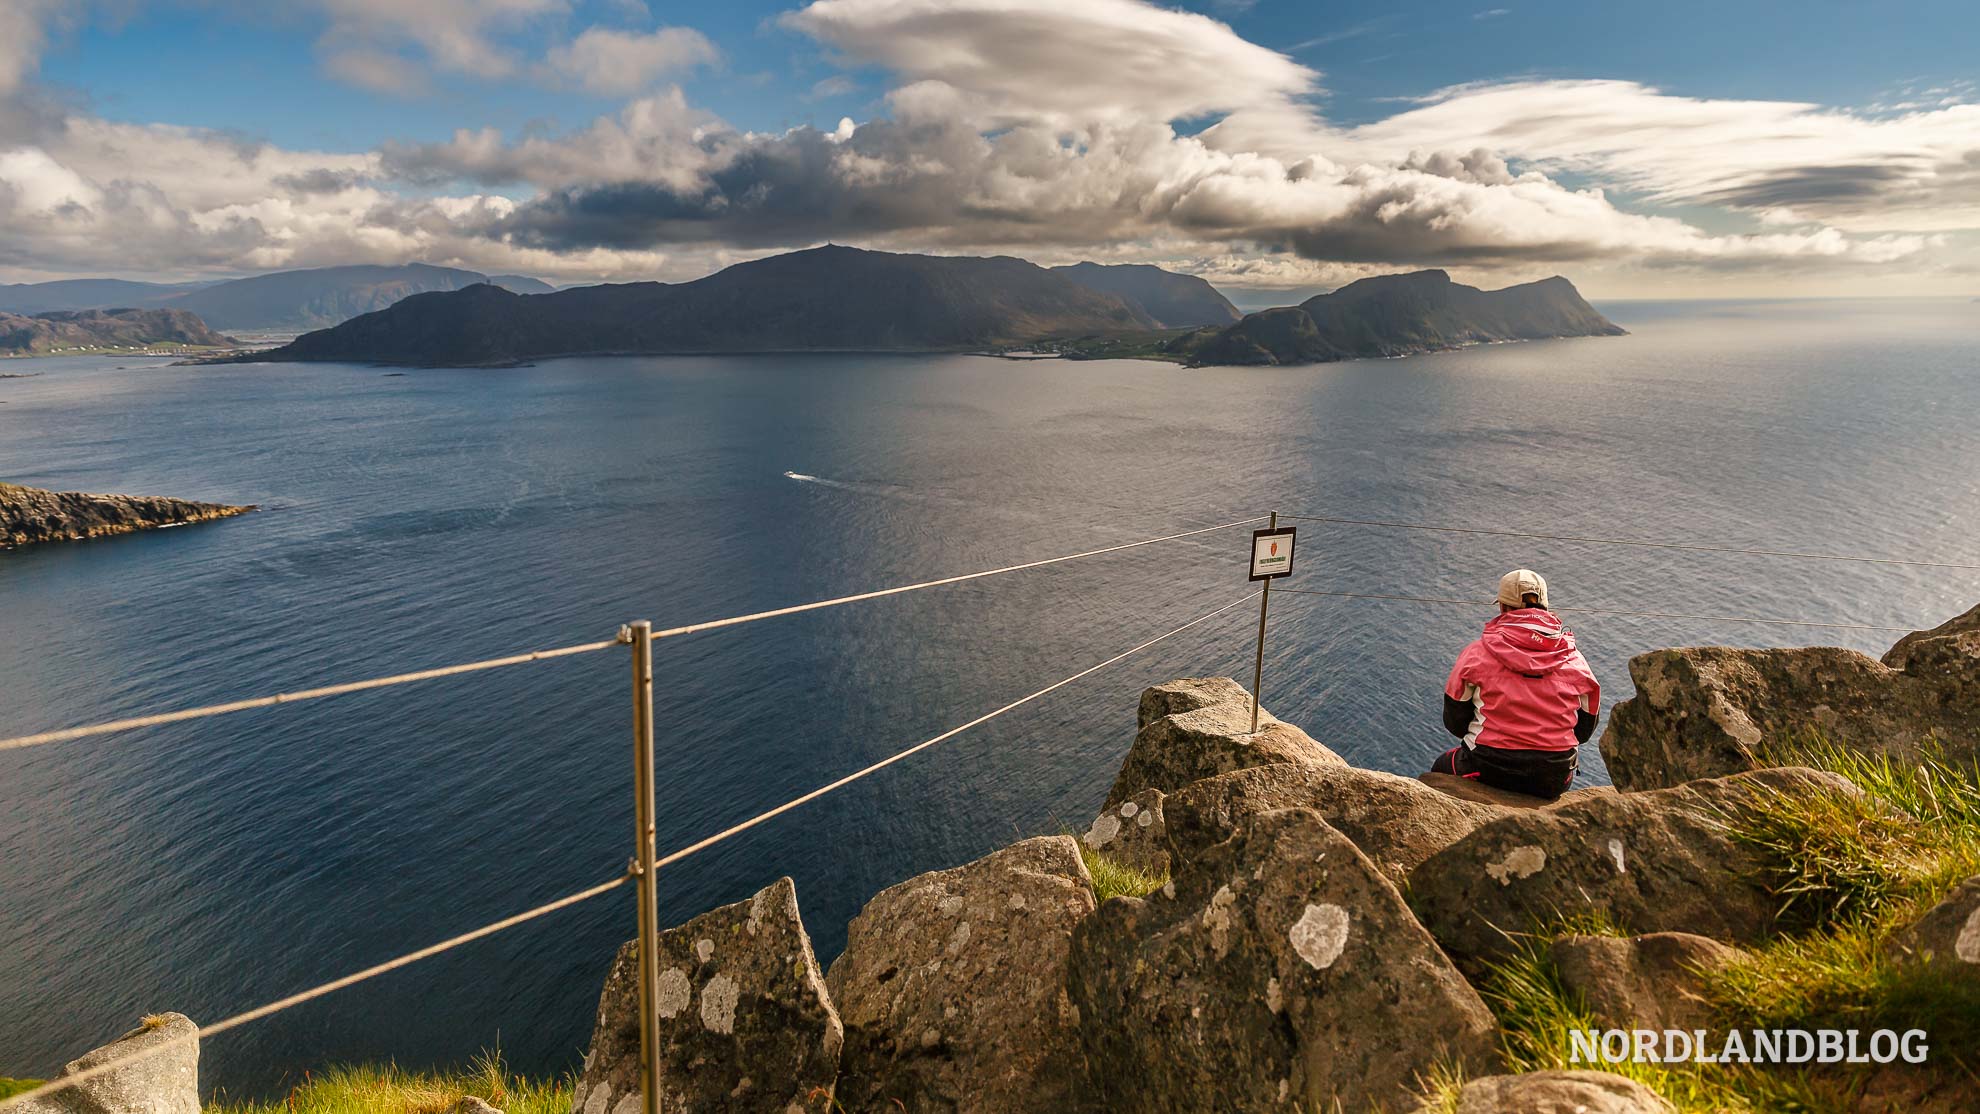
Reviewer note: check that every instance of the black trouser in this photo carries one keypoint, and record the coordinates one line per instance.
(1536, 773)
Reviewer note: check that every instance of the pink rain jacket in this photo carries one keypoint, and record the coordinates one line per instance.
(1527, 681)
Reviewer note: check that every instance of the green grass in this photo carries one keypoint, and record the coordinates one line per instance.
(1536, 1015)
(11, 1087)
(1438, 1090)
(1839, 859)
(1117, 879)
(387, 1089)
(1850, 870)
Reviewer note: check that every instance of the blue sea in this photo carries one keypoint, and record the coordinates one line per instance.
(413, 518)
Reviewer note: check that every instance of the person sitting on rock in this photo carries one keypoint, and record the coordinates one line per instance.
(1521, 698)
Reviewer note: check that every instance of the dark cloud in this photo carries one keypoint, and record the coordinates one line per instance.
(1805, 186)
(321, 180)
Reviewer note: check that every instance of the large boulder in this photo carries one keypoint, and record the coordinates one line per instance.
(1133, 833)
(1953, 644)
(1396, 821)
(1279, 970)
(1659, 861)
(745, 1020)
(1711, 711)
(1654, 981)
(1479, 793)
(1201, 727)
(163, 1080)
(1947, 937)
(1559, 1092)
(952, 987)
(1187, 694)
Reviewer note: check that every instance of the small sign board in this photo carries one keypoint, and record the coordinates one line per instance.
(1272, 553)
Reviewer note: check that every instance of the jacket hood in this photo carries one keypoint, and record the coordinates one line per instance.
(1530, 640)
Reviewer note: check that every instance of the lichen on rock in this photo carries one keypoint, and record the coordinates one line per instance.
(164, 1079)
(745, 1021)
(1680, 867)
(952, 987)
(1282, 968)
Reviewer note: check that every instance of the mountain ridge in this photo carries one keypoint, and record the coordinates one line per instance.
(1397, 315)
(829, 298)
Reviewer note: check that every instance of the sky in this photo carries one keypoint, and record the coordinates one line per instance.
(1681, 149)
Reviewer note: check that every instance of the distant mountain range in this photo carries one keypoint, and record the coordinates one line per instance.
(821, 299)
(1397, 315)
(41, 297)
(846, 299)
(286, 301)
(68, 330)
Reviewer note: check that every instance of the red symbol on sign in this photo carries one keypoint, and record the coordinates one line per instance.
(1275, 549)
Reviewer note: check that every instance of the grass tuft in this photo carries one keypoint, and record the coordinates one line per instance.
(387, 1089)
(1839, 859)
(1537, 1013)
(1112, 878)
(1439, 1089)
(11, 1087)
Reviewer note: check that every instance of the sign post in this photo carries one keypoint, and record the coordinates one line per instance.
(1271, 558)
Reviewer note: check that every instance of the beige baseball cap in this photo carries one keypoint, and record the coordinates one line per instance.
(1516, 585)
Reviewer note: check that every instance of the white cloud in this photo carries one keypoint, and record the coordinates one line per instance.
(838, 85)
(1067, 60)
(459, 36)
(624, 62)
(377, 70)
(38, 186)
(24, 30)
(1047, 127)
(1916, 171)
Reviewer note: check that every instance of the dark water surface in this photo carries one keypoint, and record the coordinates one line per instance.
(443, 516)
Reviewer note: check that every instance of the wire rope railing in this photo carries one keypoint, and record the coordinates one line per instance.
(640, 637)
(131, 724)
(632, 874)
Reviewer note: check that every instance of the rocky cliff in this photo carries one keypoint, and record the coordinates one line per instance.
(29, 514)
(1398, 315)
(1309, 936)
(1318, 937)
(1707, 711)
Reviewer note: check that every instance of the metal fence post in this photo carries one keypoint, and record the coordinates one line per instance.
(645, 853)
(1258, 664)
